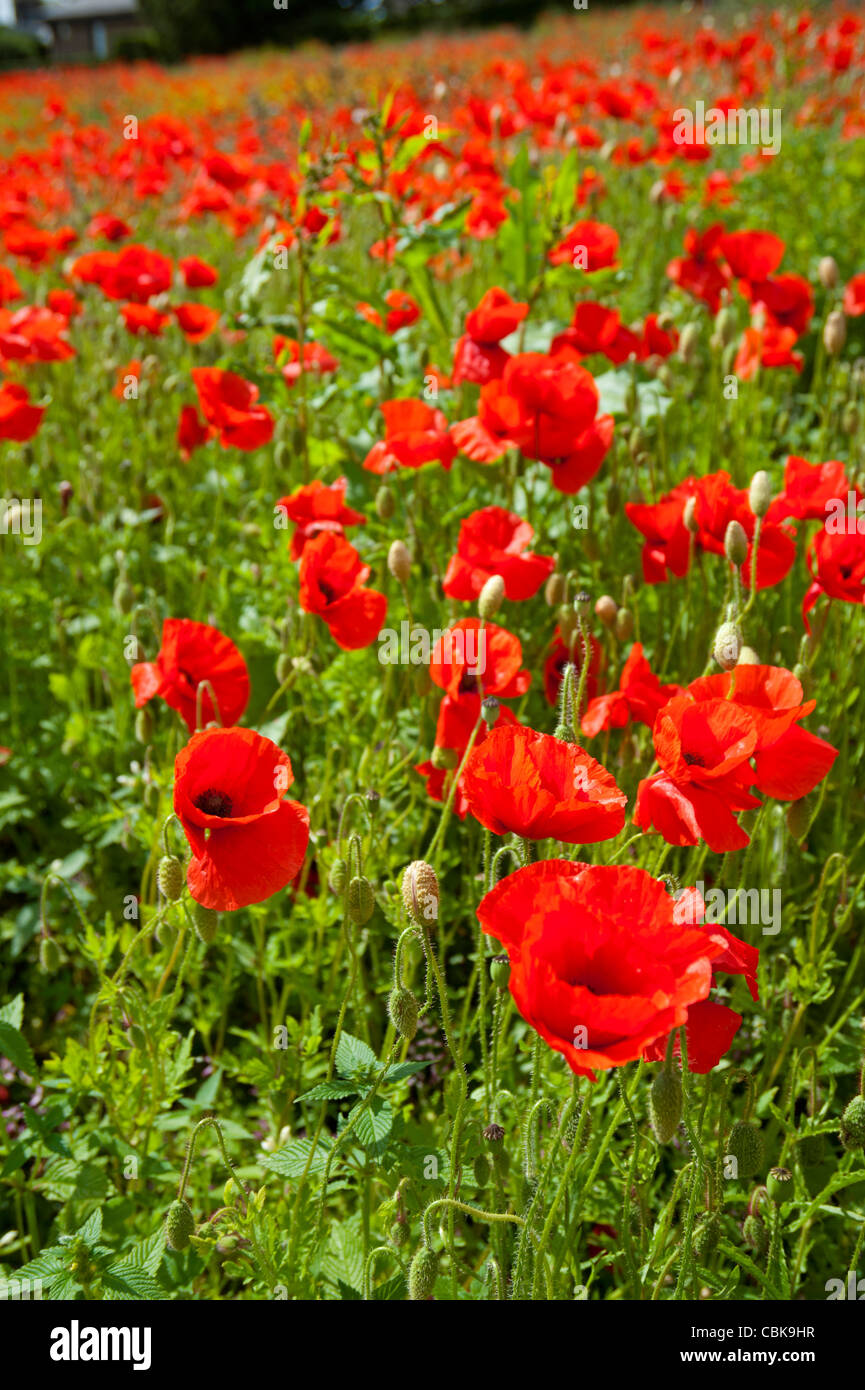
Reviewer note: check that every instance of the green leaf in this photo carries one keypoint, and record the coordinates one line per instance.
(13, 1012)
(328, 1090)
(352, 1055)
(16, 1047)
(291, 1160)
(125, 1284)
(374, 1125)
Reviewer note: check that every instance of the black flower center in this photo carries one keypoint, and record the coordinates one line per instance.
(214, 803)
(694, 760)
(468, 683)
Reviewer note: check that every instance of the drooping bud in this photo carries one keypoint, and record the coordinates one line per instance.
(745, 1144)
(444, 759)
(169, 877)
(706, 1236)
(689, 516)
(853, 1124)
(827, 272)
(491, 596)
(338, 876)
(606, 609)
(398, 1235)
(144, 724)
(205, 921)
(624, 624)
(420, 893)
(361, 900)
(554, 590)
(613, 499)
(748, 657)
(564, 733)
(399, 561)
(689, 340)
(665, 1105)
(402, 1007)
(800, 814)
(49, 954)
(179, 1224)
(567, 620)
(835, 332)
(422, 1274)
(284, 668)
(124, 596)
(726, 330)
(727, 646)
(384, 503)
(755, 1233)
(735, 543)
(811, 1150)
(760, 493)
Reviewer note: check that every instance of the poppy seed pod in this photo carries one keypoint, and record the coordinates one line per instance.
(490, 710)
(853, 1124)
(420, 893)
(402, 1007)
(827, 272)
(169, 877)
(779, 1185)
(500, 971)
(835, 332)
(422, 1274)
(760, 493)
(361, 900)
(735, 543)
(665, 1105)
(399, 561)
(745, 1144)
(583, 604)
(491, 596)
(179, 1224)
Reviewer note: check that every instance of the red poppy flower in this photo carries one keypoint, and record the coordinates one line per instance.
(496, 316)
(132, 369)
(136, 273)
(247, 842)
(640, 697)
(64, 302)
(34, 334)
(106, 225)
(719, 503)
(415, 434)
(228, 402)
(403, 310)
(768, 346)
(318, 507)
(541, 787)
(854, 297)
(458, 719)
(315, 358)
(600, 967)
(589, 246)
(837, 562)
(196, 321)
(667, 544)
(191, 653)
(10, 290)
(143, 318)
(495, 541)
(700, 272)
(807, 489)
(192, 431)
(19, 420)
(197, 274)
(332, 579)
(752, 255)
(787, 299)
(471, 657)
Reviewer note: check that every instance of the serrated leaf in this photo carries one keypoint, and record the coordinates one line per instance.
(373, 1127)
(12, 1012)
(291, 1160)
(352, 1055)
(329, 1090)
(16, 1047)
(123, 1284)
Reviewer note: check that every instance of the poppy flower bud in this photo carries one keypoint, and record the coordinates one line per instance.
(779, 1185)
(853, 1124)
(760, 493)
(850, 418)
(384, 503)
(179, 1224)
(606, 609)
(745, 1144)
(338, 876)
(706, 1236)
(361, 900)
(800, 814)
(735, 543)
(804, 677)
(725, 326)
(402, 1007)
(827, 272)
(564, 733)
(665, 1105)
(444, 759)
(624, 624)
(420, 893)
(748, 657)
(613, 499)
(491, 596)
(554, 590)
(573, 1125)
(811, 1150)
(283, 668)
(398, 1235)
(144, 725)
(124, 596)
(756, 1235)
(500, 971)
(205, 920)
(567, 622)
(422, 1274)
(727, 646)
(689, 340)
(49, 954)
(490, 710)
(399, 561)
(835, 332)
(169, 877)
(482, 1170)
(689, 519)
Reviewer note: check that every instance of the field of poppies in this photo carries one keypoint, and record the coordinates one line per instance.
(432, 557)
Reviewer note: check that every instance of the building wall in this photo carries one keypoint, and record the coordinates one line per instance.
(77, 38)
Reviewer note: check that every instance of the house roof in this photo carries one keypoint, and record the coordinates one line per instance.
(53, 11)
